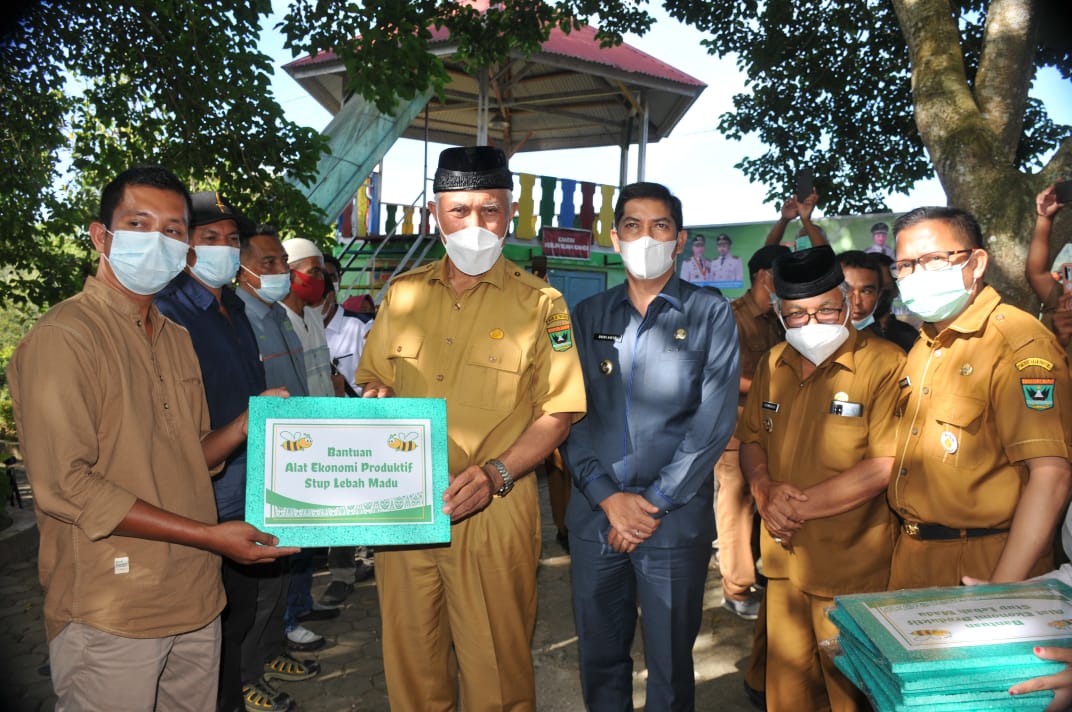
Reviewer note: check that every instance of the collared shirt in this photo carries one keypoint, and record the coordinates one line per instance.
(309, 326)
(346, 333)
(107, 416)
(279, 346)
(662, 395)
(230, 369)
(501, 354)
(988, 392)
(795, 421)
(758, 330)
(900, 333)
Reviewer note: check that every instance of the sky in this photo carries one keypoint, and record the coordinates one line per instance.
(696, 162)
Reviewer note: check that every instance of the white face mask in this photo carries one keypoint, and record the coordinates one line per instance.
(817, 342)
(646, 257)
(865, 322)
(473, 250)
(216, 264)
(144, 262)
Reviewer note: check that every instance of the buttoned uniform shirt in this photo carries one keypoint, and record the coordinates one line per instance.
(107, 416)
(977, 399)
(696, 270)
(231, 370)
(757, 330)
(501, 354)
(278, 344)
(309, 326)
(793, 421)
(662, 394)
(726, 269)
(346, 334)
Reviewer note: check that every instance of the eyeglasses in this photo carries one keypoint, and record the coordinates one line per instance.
(930, 262)
(825, 315)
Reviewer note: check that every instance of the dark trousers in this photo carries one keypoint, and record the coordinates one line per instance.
(668, 587)
(240, 585)
(265, 638)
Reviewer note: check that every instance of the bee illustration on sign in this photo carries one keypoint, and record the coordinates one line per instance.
(1063, 624)
(925, 633)
(403, 442)
(295, 442)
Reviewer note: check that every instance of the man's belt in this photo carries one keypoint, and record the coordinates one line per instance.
(937, 532)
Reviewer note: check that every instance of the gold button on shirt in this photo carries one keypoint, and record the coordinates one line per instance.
(989, 392)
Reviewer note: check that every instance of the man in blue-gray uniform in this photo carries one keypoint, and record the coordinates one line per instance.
(660, 362)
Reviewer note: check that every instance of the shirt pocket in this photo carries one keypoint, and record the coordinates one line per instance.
(953, 432)
(676, 378)
(491, 375)
(845, 440)
(403, 353)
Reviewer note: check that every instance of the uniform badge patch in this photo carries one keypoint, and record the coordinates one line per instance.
(767, 405)
(680, 334)
(606, 367)
(561, 336)
(949, 442)
(496, 333)
(1034, 361)
(1038, 392)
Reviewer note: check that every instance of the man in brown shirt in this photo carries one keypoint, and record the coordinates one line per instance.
(114, 430)
(758, 329)
(816, 448)
(982, 474)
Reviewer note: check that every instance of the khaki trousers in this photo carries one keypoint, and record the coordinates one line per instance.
(799, 675)
(467, 608)
(734, 516)
(920, 564)
(93, 670)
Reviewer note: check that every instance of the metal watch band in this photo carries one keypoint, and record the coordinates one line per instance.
(508, 481)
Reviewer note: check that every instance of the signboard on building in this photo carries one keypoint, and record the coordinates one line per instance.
(565, 242)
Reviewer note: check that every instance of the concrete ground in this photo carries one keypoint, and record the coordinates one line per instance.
(352, 671)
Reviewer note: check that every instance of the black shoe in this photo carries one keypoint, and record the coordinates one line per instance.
(335, 593)
(319, 612)
(363, 570)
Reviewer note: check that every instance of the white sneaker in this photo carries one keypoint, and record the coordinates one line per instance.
(303, 639)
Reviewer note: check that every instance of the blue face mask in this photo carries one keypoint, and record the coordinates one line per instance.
(273, 286)
(216, 264)
(935, 296)
(865, 322)
(144, 262)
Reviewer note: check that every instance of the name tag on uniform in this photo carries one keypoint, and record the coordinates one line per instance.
(905, 382)
(767, 405)
(607, 337)
(847, 409)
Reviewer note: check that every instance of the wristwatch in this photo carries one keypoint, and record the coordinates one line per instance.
(508, 481)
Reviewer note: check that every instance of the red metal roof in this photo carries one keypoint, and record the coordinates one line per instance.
(579, 44)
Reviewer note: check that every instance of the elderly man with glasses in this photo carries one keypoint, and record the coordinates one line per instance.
(982, 473)
(817, 443)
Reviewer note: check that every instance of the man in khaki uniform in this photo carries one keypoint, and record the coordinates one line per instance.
(496, 342)
(758, 329)
(982, 473)
(816, 448)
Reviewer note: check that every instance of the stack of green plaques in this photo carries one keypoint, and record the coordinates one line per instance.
(959, 648)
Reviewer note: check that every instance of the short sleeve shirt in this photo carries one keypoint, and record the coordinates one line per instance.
(976, 400)
(796, 424)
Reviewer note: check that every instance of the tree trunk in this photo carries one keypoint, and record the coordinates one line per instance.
(971, 133)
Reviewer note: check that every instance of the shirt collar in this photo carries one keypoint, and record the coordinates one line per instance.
(974, 317)
(496, 276)
(195, 291)
(254, 306)
(116, 301)
(670, 293)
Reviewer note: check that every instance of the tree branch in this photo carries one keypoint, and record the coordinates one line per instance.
(1005, 69)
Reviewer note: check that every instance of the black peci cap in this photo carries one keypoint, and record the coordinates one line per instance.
(472, 168)
(807, 273)
(764, 257)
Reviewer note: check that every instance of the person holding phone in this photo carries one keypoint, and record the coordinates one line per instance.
(1055, 295)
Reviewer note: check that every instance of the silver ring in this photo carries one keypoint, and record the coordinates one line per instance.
(777, 540)
(636, 533)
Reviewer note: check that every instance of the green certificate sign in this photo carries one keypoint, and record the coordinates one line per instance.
(348, 471)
